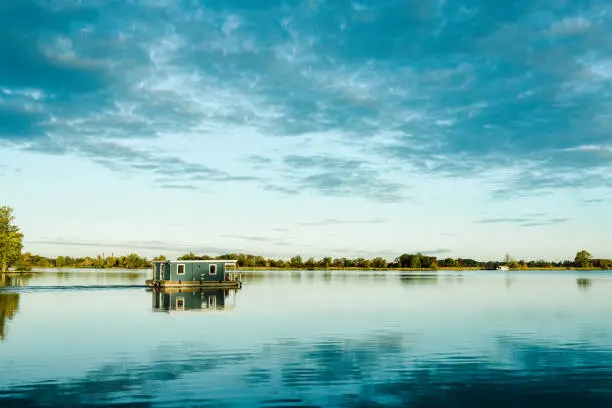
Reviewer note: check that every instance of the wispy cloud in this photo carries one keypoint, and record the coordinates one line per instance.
(595, 201)
(339, 176)
(437, 89)
(531, 220)
(388, 254)
(131, 245)
(335, 221)
(441, 251)
(258, 159)
(248, 237)
(570, 26)
(177, 187)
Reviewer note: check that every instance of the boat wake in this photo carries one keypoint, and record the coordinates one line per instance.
(67, 288)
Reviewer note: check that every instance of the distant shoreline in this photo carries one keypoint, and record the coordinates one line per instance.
(263, 268)
(404, 262)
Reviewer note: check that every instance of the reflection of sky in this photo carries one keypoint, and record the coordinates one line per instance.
(64, 334)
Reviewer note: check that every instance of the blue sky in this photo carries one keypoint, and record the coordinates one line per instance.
(454, 128)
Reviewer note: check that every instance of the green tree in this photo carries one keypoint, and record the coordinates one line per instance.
(338, 263)
(362, 263)
(23, 264)
(448, 262)
(379, 262)
(325, 262)
(310, 263)
(11, 239)
(60, 262)
(43, 263)
(189, 256)
(582, 259)
(415, 261)
(296, 262)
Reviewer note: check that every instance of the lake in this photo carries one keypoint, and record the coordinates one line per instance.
(309, 339)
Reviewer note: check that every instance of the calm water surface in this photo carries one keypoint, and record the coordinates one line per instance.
(341, 339)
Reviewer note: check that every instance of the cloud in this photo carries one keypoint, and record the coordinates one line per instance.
(162, 246)
(339, 176)
(529, 220)
(440, 251)
(570, 26)
(177, 187)
(258, 159)
(131, 245)
(594, 201)
(437, 89)
(336, 221)
(248, 237)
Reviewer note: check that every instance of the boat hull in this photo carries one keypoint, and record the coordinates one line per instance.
(192, 284)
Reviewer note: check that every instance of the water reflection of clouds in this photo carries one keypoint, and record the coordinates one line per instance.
(375, 370)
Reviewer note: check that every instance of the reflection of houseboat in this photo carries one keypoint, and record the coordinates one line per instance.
(215, 273)
(503, 268)
(193, 299)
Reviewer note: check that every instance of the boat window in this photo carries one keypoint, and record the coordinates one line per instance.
(180, 269)
(212, 269)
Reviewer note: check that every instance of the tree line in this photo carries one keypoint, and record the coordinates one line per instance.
(583, 259)
(11, 255)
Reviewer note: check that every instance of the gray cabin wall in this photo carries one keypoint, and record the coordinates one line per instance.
(202, 272)
(196, 271)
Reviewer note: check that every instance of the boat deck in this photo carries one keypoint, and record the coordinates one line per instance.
(192, 284)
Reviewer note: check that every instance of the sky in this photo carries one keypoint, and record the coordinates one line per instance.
(467, 129)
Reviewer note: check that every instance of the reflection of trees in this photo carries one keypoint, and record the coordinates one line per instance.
(409, 279)
(15, 279)
(9, 303)
(583, 283)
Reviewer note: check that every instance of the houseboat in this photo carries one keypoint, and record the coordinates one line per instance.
(503, 268)
(219, 273)
(169, 300)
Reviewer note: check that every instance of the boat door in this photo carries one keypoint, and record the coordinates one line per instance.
(160, 269)
(164, 271)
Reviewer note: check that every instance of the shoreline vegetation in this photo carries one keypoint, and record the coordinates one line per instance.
(38, 269)
(248, 262)
(12, 258)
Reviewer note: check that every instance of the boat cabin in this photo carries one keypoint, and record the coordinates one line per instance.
(214, 272)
